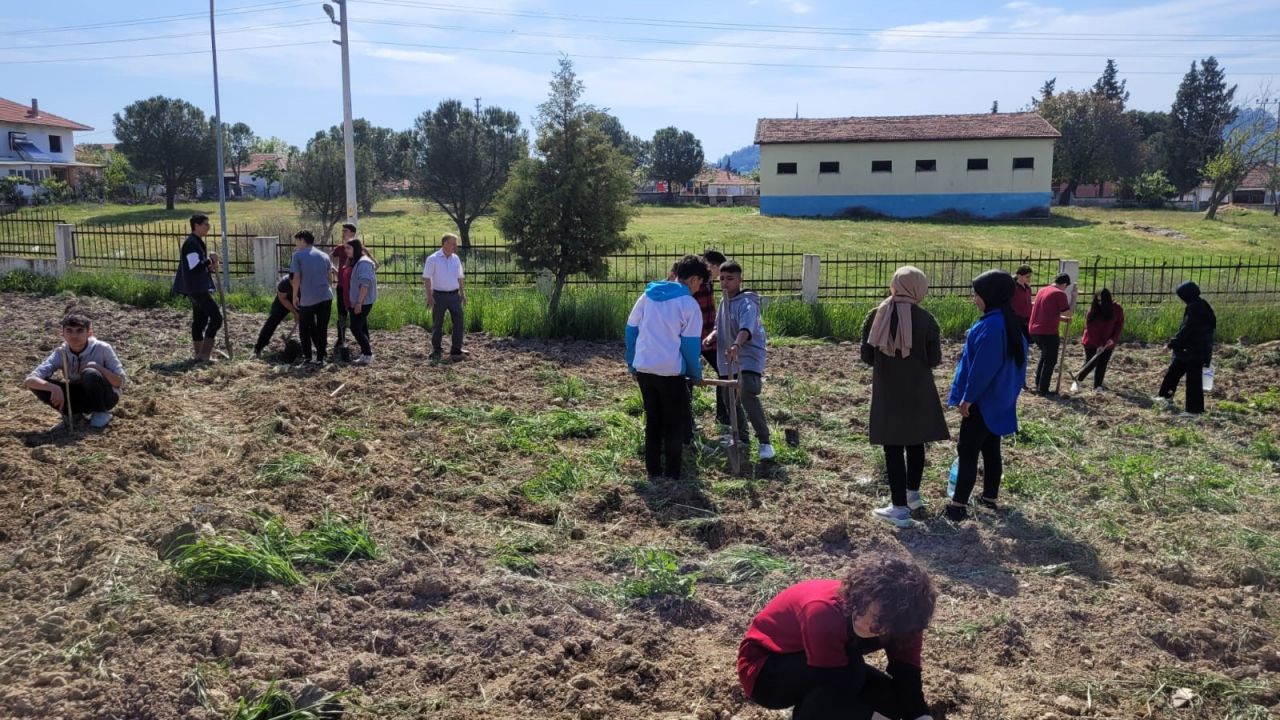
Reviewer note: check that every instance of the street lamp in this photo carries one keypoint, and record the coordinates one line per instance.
(348, 139)
(1275, 156)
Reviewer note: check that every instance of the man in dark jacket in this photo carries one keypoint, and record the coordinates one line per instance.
(195, 280)
(1192, 348)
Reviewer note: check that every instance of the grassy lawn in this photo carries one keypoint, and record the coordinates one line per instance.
(1070, 232)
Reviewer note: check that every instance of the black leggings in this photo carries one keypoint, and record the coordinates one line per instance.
(1049, 345)
(314, 326)
(904, 464)
(851, 692)
(1194, 370)
(975, 438)
(91, 393)
(666, 418)
(1099, 370)
(277, 314)
(360, 328)
(206, 319)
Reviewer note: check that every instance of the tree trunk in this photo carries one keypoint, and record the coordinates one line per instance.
(464, 235)
(170, 191)
(1215, 200)
(554, 305)
(1064, 197)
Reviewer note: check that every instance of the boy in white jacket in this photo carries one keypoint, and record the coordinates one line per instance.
(94, 374)
(664, 347)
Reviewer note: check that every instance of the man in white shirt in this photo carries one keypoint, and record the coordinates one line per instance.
(442, 280)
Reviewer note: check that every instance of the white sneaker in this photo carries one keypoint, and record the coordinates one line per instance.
(766, 452)
(725, 440)
(100, 419)
(894, 515)
(1075, 387)
(914, 501)
(363, 360)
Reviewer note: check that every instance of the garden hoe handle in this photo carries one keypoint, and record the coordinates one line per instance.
(731, 405)
(1093, 361)
(1062, 357)
(66, 395)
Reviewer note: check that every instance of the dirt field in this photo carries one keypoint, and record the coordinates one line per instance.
(1139, 556)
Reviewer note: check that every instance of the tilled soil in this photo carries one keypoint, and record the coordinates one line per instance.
(1046, 610)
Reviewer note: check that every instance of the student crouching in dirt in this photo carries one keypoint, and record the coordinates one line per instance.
(1192, 348)
(361, 296)
(91, 374)
(194, 279)
(740, 352)
(985, 390)
(281, 308)
(1103, 325)
(902, 343)
(663, 338)
(805, 649)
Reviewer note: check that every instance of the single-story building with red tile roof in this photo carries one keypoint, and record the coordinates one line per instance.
(36, 144)
(987, 165)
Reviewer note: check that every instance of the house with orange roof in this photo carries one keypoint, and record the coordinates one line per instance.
(36, 144)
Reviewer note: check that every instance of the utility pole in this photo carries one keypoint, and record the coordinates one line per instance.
(348, 135)
(1273, 179)
(222, 186)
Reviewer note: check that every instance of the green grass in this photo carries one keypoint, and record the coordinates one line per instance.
(741, 564)
(276, 704)
(223, 560)
(1264, 447)
(334, 539)
(288, 468)
(654, 573)
(563, 477)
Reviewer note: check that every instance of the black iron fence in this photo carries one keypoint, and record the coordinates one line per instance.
(153, 249)
(29, 233)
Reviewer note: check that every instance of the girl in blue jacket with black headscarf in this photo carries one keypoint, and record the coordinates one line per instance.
(985, 390)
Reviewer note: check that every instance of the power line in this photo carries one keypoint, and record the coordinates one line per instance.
(794, 66)
(42, 46)
(193, 51)
(825, 30)
(766, 46)
(238, 10)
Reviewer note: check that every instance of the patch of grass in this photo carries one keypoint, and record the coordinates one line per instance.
(568, 388)
(563, 477)
(1029, 481)
(970, 631)
(276, 704)
(1033, 433)
(223, 560)
(349, 432)
(515, 554)
(334, 539)
(741, 564)
(1267, 402)
(1184, 437)
(1264, 447)
(1230, 407)
(632, 404)
(1234, 699)
(288, 468)
(655, 573)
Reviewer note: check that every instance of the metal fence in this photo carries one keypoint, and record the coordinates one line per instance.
(153, 249)
(29, 233)
(1152, 280)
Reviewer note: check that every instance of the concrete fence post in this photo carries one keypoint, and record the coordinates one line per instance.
(64, 245)
(266, 262)
(810, 278)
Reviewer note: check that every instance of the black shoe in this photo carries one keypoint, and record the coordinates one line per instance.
(956, 513)
(434, 356)
(988, 503)
(257, 352)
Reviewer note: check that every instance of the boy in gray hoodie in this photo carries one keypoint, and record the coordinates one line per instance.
(93, 373)
(740, 346)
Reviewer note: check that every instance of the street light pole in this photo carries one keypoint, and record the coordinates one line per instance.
(348, 134)
(222, 184)
(1273, 178)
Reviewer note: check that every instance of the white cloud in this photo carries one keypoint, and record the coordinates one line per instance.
(411, 56)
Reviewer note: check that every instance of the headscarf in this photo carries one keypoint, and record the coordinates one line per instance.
(995, 287)
(908, 287)
(1188, 291)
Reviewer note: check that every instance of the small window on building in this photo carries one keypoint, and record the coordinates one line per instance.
(1024, 163)
(828, 167)
(786, 168)
(926, 166)
(55, 143)
(977, 163)
(881, 166)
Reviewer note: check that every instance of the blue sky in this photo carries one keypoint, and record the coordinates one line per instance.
(709, 67)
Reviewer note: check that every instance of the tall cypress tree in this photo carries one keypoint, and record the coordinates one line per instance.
(1110, 86)
(1201, 112)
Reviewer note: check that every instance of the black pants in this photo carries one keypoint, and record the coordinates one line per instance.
(852, 692)
(1099, 370)
(1048, 345)
(343, 318)
(313, 321)
(360, 328)
(91, 393)
(975, 438)
(904, 464)
(1195, 382)
(206, 319)
(450, 302)
(666, 414)
(277, 314)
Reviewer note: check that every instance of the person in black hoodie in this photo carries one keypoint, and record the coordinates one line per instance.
(194, 279)
(1192, 348)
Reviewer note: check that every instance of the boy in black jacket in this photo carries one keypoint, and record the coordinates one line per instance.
(1192, 348)
(195, 280)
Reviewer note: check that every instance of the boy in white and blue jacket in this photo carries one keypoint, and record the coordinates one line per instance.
(92, 373)
(664, 347)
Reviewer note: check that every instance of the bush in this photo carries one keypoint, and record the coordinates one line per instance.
(1151, 189)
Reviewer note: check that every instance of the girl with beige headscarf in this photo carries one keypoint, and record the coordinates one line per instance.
(902, 343)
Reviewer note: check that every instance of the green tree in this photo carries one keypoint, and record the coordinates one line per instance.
(166, 137)
(1150, 189)
(567, 208)
(1099, 142)
(270, 173)
(272, 145)
(1201, 112)
(463, 158)
(237, 144)
(677, 157)
(388, 158)
(317, 183)
(1244, 148)
(1110, 86)
(633, 146)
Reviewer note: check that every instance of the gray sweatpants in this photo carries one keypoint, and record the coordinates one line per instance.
(750, 407)
(450, 302)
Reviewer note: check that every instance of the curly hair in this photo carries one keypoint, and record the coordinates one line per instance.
(903, 590)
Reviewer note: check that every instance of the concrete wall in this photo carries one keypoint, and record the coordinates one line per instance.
(951, 188)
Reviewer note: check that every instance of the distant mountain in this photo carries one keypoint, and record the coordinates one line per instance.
(743, 160)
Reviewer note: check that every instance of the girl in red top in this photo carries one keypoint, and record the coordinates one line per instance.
(804, 650)
(1102, 329)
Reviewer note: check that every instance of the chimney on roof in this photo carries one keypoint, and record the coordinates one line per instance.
(35, 108)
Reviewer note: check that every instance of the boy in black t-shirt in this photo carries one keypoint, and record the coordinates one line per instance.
(280, 307)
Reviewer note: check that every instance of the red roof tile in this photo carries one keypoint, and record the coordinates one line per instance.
(984, 126)
(1257, 177)
(257, 160)
(13, 112)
